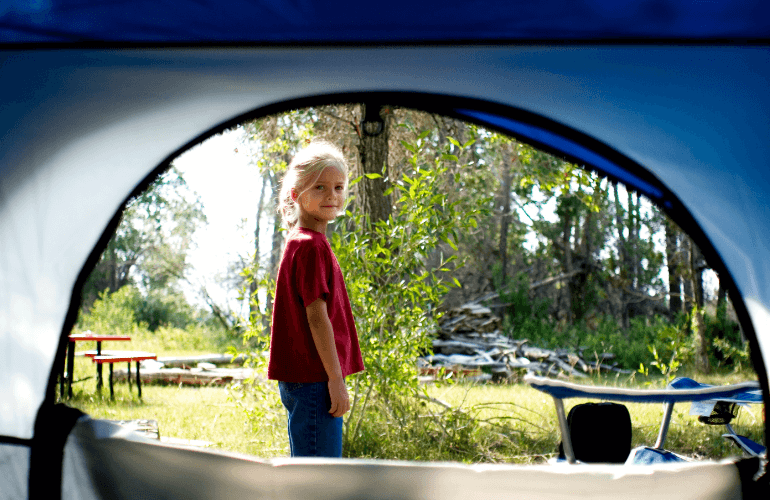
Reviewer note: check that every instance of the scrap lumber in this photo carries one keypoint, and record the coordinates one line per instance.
(470, 341)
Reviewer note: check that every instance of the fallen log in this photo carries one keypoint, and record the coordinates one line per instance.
(453, 324)
(216, 359)
(194, 376)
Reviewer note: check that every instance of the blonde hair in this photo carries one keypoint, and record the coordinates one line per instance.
(303, 171)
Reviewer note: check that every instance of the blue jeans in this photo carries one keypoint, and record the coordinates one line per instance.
(313, 431)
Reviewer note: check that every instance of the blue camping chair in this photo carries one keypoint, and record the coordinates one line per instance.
(678, 391)
(724, 411)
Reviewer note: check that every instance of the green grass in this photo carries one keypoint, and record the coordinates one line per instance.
(505, 423)
(208, 414)
(531, 416)
(212, 414)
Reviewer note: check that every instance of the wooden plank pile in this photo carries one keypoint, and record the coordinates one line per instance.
(470, 343)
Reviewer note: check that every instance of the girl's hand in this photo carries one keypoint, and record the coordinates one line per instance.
(339, 396)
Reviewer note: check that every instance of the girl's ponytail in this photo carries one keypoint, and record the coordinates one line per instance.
(288, 209)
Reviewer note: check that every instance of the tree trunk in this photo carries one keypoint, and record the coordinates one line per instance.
(697, 275)
(623, 270)
(277, 244)
(689, 294)
(583, 291)
(632, 254)
(373, 152)
(505, 216)
(253, 297)
(114, 269)
(567, 262)
(722, 306)
(701, 343)
(674, 272)
(698, 323)
(721, 329)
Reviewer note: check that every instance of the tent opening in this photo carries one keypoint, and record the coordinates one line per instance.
(477, 247)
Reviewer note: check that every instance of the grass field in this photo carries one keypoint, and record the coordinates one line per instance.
(514, 423)
(533, 416)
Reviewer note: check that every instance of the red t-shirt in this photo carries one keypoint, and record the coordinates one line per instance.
(308, 271)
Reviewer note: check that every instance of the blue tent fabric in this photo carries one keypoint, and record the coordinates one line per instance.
(581, 154)
(266, 21)
(644, 455)
(87, 126)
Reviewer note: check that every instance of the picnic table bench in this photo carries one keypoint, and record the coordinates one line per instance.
(112, 357)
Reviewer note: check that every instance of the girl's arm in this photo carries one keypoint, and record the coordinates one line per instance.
(323, 336)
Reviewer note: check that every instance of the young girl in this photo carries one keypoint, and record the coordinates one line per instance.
(313, 340)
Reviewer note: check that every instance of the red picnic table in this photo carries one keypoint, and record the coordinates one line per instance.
(78, 337)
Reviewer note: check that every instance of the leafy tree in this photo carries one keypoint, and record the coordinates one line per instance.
(151, 243)
(112, 313)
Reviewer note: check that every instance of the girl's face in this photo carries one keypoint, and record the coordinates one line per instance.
(324, 199)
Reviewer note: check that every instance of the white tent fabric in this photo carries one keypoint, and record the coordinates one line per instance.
(102, 460)
(98, 467)
(85, 127)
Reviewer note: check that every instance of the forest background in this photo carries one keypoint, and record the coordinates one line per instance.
(440, 212)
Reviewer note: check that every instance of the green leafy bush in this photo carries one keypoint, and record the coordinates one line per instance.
(158, 309)
(730, 350)
(526, 317)
(112, 313)
(405, 428)
(671, 350)
(119, 310)
(394, 292)
(125, 311)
